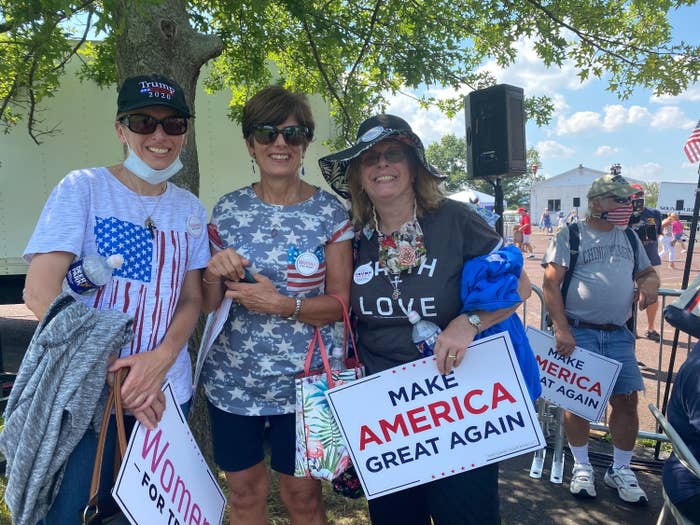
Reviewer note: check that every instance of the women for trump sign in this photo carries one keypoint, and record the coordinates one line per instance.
(416, 426)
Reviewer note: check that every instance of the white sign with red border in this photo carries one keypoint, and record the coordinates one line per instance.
(164, 479)
(410, 425)
(580, 383)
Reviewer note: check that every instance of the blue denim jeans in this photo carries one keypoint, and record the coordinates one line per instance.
(616, 344)
(73, 495)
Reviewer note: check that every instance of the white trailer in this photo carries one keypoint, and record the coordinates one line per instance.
(85, 114)
(678, 197)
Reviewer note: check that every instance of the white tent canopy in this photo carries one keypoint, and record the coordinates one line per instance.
(485, 200)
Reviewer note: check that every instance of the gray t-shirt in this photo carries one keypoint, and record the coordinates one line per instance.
(452, 234)
(602, 285)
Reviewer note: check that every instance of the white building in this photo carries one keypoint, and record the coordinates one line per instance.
(564, 192)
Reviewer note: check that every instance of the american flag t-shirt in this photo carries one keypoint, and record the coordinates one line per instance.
(146, 290)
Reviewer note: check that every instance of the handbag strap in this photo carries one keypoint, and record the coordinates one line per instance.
(347, 332)
(114, 399)
(317, 339)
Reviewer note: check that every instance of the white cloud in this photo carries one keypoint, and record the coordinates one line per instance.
(578, 122)
(550, 149)
(692, 94)
(647, 171)
(606, 151)
(671, 117)
(529, 72)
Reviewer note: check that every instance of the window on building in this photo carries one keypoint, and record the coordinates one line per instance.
(679, 204)
(554, 204)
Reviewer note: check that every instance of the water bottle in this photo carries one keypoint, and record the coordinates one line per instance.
(424, 333)
(90, 273)
(337, 359)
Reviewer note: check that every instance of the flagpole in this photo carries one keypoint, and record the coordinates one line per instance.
(684, 285)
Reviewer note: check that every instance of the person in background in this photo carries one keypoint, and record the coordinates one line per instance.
(573, 217)
(677, 229)
(592, 314)
(546, 221)
(667, 241)
(526, 229)
(294, 238)
(405, 222)
(646, 222)
(681, 485)
(131, 209)
(561, 222)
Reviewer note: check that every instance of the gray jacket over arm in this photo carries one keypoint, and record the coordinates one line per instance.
(54, 399)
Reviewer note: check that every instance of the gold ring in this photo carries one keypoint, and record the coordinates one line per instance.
(453, 356)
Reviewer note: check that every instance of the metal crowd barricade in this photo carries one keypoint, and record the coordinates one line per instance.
(551, 417)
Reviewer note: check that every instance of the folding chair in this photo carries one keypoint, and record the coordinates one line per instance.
(682, 452)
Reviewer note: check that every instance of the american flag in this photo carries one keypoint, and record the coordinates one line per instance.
(692, 145)
(132, 241)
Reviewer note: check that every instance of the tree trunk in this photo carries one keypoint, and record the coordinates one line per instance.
(156, 37)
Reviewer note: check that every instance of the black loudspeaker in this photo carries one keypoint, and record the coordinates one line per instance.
(495, 119)
(577, 202)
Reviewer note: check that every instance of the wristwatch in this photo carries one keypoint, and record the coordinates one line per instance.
(475, 321)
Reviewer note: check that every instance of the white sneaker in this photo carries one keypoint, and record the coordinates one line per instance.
(625, 481)
(582, 481)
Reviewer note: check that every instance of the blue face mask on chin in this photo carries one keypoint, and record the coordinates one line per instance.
(143, 171)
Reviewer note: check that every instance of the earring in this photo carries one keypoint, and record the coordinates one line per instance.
(303, 172)
(252, 163)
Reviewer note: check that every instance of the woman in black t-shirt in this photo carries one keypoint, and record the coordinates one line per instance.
(411, 246)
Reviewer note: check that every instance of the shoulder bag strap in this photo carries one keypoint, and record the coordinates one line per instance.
(631, 237)
(574, 241)
(92, 510)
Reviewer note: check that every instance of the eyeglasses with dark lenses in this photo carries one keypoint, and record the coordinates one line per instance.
(621, 200)
(292, 135)
(146, 124)
(392, 156)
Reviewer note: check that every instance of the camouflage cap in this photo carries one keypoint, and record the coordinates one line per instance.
(613, 185)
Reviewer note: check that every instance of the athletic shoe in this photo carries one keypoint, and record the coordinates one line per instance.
(653, 335)
(582, 481)
(625, 481)
(531, 256)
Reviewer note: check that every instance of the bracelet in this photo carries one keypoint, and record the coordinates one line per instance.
(297, 309)
(204, 280)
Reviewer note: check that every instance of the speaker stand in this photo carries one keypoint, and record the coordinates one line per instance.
(498, 204)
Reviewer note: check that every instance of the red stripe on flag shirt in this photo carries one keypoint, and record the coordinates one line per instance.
(692, 145)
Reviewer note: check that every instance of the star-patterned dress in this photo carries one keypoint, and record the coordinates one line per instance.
(251, 366)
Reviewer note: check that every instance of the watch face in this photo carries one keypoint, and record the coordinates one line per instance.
(475, 320)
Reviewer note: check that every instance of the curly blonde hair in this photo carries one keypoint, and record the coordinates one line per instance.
(426, 187)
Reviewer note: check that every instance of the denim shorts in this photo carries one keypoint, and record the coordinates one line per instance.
(618, 345)
(239, 441)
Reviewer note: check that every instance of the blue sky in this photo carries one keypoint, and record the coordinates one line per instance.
(590, 126)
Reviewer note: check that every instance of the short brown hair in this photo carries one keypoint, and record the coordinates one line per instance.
(272, 106)
(426, 188)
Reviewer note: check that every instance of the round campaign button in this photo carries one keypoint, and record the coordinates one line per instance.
(363, 274)
(194, 226)
(307, 263)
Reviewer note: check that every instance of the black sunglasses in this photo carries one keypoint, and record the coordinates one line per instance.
(392, 156)
(146, 124)
(292, 135)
